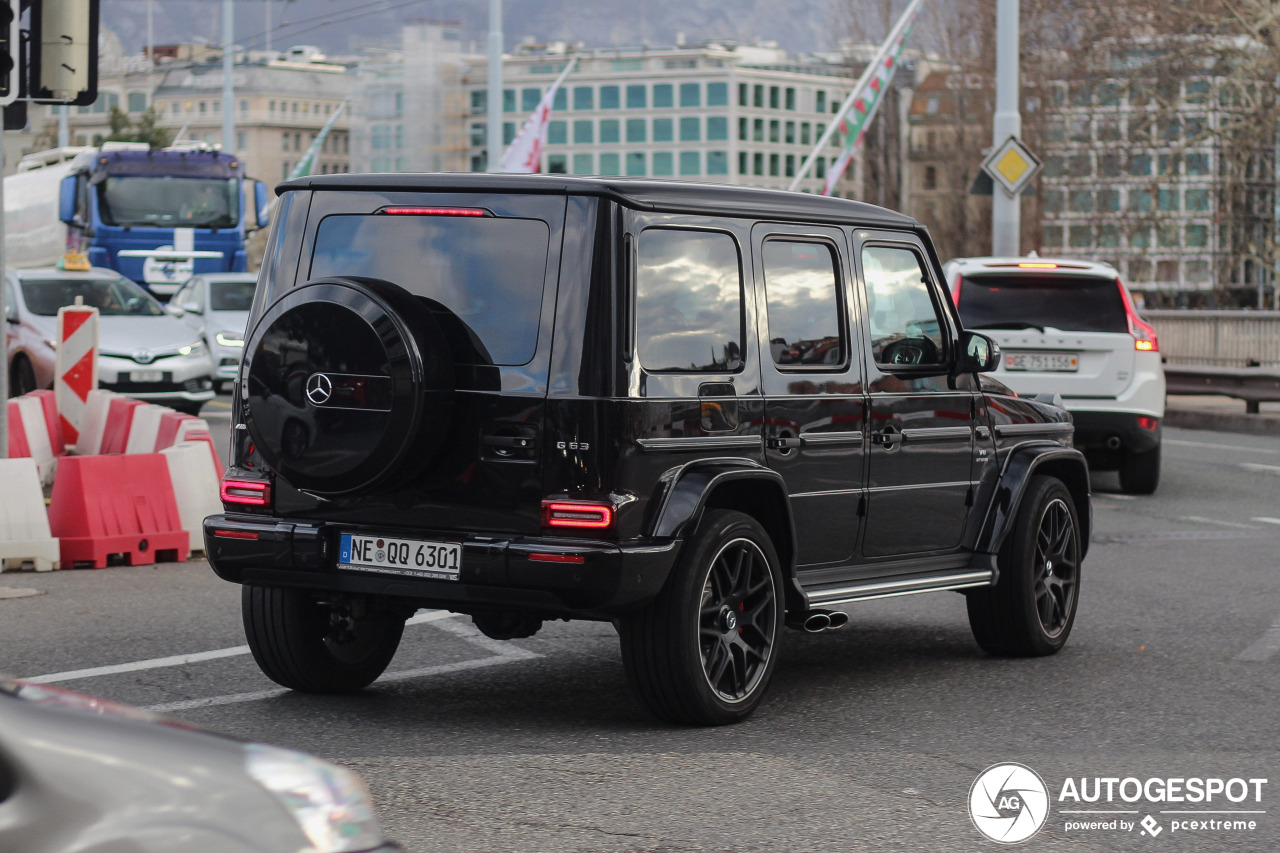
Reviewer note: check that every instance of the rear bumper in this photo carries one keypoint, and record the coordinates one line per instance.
(496, 572)
(1115, 432)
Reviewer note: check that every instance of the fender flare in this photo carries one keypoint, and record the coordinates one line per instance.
(1022, 463)
(685, 492)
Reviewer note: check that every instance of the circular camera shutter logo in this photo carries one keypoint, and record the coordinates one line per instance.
(319, 389)
(1009, 803)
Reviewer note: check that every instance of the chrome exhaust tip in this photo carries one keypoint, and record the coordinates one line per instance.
(817, 621)
(1113, 443)
(837, 619)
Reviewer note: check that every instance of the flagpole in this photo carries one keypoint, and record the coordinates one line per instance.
(871, 70)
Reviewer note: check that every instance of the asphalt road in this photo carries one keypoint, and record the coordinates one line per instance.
(870, 739)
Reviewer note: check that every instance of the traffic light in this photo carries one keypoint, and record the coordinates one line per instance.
(10, 50)
(64, 51)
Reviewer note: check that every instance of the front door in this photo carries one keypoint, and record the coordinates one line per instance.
(922, 422)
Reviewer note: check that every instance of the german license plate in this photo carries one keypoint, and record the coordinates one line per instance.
(415, 557)
(1043, 362)
(146, 375)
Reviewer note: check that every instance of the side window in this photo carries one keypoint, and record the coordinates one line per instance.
(802, 283)
(688, 301)
(905, 325)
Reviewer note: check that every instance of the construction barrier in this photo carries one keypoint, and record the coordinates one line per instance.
(115, 433)
(95, 421)
(28, 435)
(116, 505)
(195, 487)
(76, 366)
(24, 523)
(52, 420)
(144, 428)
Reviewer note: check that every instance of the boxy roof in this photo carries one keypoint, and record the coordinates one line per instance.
(639, 193)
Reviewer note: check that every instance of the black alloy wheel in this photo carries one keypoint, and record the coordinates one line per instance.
(1057, 566)
(1032, 607)
(703, 651)
(736, 624)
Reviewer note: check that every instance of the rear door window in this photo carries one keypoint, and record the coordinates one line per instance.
(802, 284)
(485, 271)
(1074, 303)
(689, 313)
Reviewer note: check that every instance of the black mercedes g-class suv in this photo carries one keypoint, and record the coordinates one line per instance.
(700, 412)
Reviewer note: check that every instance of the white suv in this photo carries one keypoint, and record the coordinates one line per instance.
(1070, 328)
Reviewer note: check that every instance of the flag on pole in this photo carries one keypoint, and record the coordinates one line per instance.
(524, 154)
(854, 121)
(309, 158)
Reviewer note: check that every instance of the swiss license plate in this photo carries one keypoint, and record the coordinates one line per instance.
(1043, 362)
(415, 557)
(146, 375)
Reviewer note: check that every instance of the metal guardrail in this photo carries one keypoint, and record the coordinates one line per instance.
(1231, 353)
(1218, 338)
(1254, 385)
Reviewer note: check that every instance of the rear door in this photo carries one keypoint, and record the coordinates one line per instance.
(812, 382)
(1063, 333)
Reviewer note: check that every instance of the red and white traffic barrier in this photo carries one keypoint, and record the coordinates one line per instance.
(76, 371)
(95, 421)
(196, 485)
(24, 523)
(29, 436)
(144, 428)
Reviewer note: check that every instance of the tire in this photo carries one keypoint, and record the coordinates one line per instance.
(304, 644)
(22, 377)
(1030, 610)
(1140, 472)
(703, 651)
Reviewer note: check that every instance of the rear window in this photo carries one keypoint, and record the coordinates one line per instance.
(485, 272)
(1074, 303)
(231, 295)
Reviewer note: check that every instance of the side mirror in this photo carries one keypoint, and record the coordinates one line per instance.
(67, 200)
(175, 310)
(260, 204)
(979, 353)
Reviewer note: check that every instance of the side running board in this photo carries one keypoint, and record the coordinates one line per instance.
(845, 593)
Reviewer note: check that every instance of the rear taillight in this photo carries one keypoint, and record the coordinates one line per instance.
(1143, 333)
(246, 492)
(589, 516)
(1148, 423)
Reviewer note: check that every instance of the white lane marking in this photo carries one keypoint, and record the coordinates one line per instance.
(502, 653)
(1111, 497)
(1265, 647)
(1266, 520)
(183, 660)
(1255, 466)
(1181, 443)
(1202, 520)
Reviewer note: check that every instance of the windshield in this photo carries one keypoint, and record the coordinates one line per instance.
(169, 201)
(111, 296)
(1075, 303)
(231, 295)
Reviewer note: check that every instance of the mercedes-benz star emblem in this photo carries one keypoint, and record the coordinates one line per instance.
(319, 389)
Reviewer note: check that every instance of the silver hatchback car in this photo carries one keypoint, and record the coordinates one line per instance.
(143, 352)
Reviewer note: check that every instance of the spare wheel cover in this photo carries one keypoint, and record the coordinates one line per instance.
(348, 385)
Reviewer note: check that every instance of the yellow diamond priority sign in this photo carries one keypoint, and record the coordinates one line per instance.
(1011, 165)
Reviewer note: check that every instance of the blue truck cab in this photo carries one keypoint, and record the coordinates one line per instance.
(159, 216)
